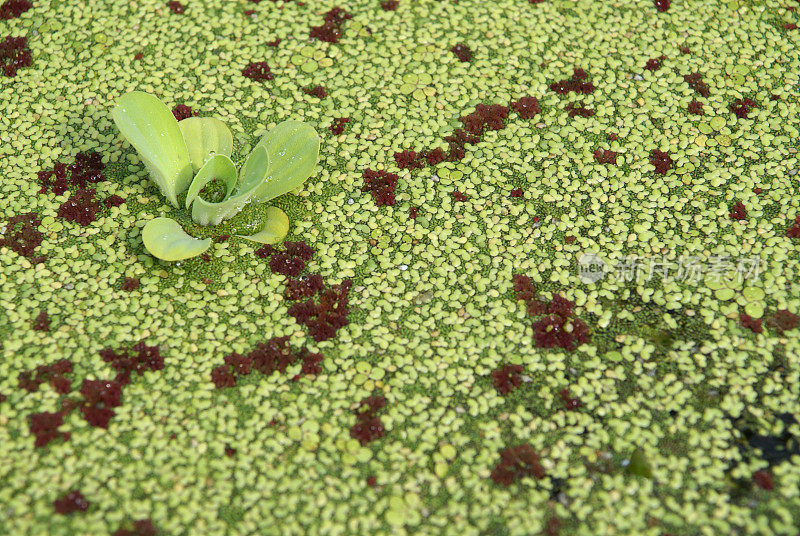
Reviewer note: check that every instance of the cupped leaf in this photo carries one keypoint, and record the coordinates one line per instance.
(274, 229)
(254, 172)
(218, 166)
(293, 148)
(205, 137)
(165, 239)
(152, 130)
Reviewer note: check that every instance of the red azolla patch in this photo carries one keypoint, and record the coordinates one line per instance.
(412, 213)
(792, 232)
(661, 5)
(462, 52)
(22, 235)
(316, 91)
(742, 107)
(457, 142)
(434, 156)
(73, 501)
(31, 380)
(485, 117)
(99, 397)
(86, 169)
(738, 211)
(292, 260)
(695, 81)
(576, 83)
(139, 358)
(326, 317)
(458, 196)
(11, 9)
(41, 322)
(81, 207)
(331, 29)
(337, 127)
(176, 7)
(130, 283)
(266, 358)
(605, 156)
(515, 463)
(368, 427)
(782, 320)
(142, 527)
(409, 159)
(526, 107)
(558, 327)
(753, 324)
(516, 192)
(113, 201)
(182, 111)
(763, 480)
(258, 71)
(381, 184)
(661, 161)
(654, 64)
(696, 108)
(14, 55)
(507, 378)
(570, 402)
(582, 111)
(44, 426)
(303, 287)
(390, 5)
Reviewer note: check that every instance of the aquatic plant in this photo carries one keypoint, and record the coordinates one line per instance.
(187, 156)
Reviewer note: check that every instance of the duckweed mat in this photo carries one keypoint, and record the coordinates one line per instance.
(544, 280)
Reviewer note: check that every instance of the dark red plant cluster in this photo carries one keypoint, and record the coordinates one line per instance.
(753, 324)
(516, 192)
(130, 283)
(605, 156)
(570, 402)
(54, 374)
(331, 29)
(81, 207)
(275, 355)
(142, 527)
(507, 378)
(696, 107)
(459, 196)
(462, 52)
(326, 317)
(695, 81)
(661, 5)
(654, 64)
(577, 83)
(557, 325)
(738, 211)
(98, 397)
(176, 7)
(41, 322)
(337, 127)
(792, 232)
(11, 9)
(485, 117)
(258, 71)
(316, 91)
(289, 262)
(661, 161)
(742, 107)
(182, 111)
(87, 169)
(782, 320)
(582, 111)
(14, 54)
(526, 107)
(515, 463)
(390, 5)
(763, 480)
(381, 184)
(71, 502)
(368, 426)
(23, 236)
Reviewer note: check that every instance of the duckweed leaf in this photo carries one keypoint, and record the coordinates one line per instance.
(293, 148)
(165, 239)
(152, 130)
(218, 166)
(274, 229)
(205, 137)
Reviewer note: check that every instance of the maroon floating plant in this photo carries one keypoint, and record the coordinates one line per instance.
(11, 9)
(738, 211)
(462, 52)
(381, 184)
(556, 325)
(14, 55)
(605, 156)
(275, 355)
(507, 378)
(141, 527)
(577, 83)
(182, 111)
(742, 107)
(71, 502)
(331, 29)
(316, 91)
(695, 81)
(390, 5)
(368, 425)
(22, 236)
(258, 71)
(578, 111)
(176, 7)
(81, 207)
(526, 107)
(661, 161)
(696, 108)
(515, 463)
(654, 64)
(661, 5)
(338, 125)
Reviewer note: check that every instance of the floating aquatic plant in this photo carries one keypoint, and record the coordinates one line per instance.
(187, 156)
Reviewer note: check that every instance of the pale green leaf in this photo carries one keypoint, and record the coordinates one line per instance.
(205, 137)
(152, 130)
(255, 169)
(219, 167)
(293, 149)
(274, 229)
(165, 239)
